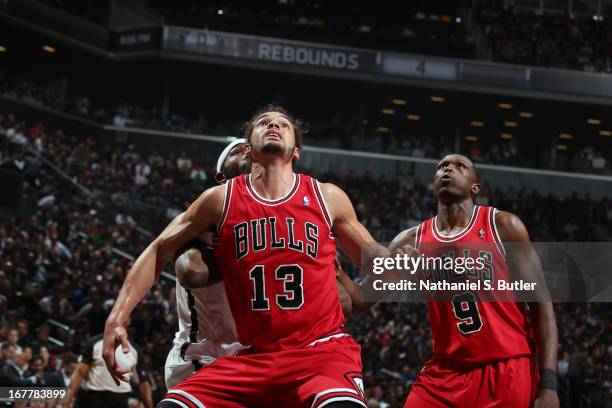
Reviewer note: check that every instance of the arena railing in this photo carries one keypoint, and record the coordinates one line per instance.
(322, 159)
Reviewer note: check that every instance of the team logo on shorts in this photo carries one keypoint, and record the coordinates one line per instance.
(306, 201)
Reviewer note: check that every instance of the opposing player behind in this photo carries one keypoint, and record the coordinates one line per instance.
(206, 326)
(277, 233)
(484, 352)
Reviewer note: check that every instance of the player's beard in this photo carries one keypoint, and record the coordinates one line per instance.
(274, 149)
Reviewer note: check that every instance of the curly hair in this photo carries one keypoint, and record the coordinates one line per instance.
(299, 127)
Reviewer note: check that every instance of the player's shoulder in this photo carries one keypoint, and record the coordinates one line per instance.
(510, 227)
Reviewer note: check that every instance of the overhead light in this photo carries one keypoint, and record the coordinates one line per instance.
(458, 19)
(561, 147)
(471, 138)
(437, 99)
(506, 136)
(220, 12)
(477, 123)
(387, 111)
(399, 102)
(510, 123)
(2, 48)
(605, 133)
(526, 114)
(413, 117)
(592, 121)
(48, 48)
(565, 136)
(504, 105)
(382, 129)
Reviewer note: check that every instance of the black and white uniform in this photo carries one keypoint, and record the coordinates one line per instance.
(206, 331)
(99, 389)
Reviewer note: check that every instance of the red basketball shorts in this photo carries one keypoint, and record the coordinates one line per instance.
(509, 383)
(315, 376)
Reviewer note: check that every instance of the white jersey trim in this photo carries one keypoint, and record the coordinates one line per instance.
(227, 201)
(336, 399)
(188, 396)
(460, 234)
(329, 391)
(493, 226)
(275, 201)
(327, 338)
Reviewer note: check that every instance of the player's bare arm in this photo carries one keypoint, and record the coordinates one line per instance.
(201, 216)
(524, 261)
(195, 266)
(353, 237)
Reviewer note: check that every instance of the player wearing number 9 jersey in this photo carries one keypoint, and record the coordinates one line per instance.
(484, 352)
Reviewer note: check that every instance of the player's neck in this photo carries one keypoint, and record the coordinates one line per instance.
(454, 215)
(272, 180)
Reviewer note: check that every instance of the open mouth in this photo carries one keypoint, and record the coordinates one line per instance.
(273, 134)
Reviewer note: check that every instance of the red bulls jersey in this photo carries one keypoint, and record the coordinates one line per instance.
(277, 258)
(465, 330)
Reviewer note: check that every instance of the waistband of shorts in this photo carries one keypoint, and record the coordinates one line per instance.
(466, 366)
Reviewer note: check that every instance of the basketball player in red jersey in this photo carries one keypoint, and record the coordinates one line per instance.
(277, 233)
(483, 351)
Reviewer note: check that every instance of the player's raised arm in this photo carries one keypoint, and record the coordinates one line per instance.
(201, 216)
(525, 264)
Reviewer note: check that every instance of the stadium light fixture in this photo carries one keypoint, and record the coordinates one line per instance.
(593, 121)
(526, 115)
(401, 102)
(48, 48)
(504, 105)
(220, 12)
(437, 99)
(561, 147)
(477, 123)
(506, 136)
(2, 48)
(471, 138)
(388, 111)
(413, 117)
(605, 133)
(382, 129)
(565, 136)
(510, 123)
(458, 20)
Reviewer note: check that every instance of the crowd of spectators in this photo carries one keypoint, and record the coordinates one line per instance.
(581, 41)
(51, 254)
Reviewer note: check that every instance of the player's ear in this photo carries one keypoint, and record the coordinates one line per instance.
(475, 188)
(296, 154)
(248, 151)
(220, 177)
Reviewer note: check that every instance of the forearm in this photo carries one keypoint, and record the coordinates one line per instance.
(139, 280)
(546, 334)
(144, 389)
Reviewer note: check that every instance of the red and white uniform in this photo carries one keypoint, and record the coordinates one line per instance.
(483, 351)
(277, 258)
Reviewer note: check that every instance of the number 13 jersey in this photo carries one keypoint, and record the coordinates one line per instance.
(464, 330)
(277, 258)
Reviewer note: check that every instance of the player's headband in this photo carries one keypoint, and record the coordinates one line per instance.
(227, 151)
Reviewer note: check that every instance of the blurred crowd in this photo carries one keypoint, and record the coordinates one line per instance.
(340, 129)
(64, 256)
(582, 41)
